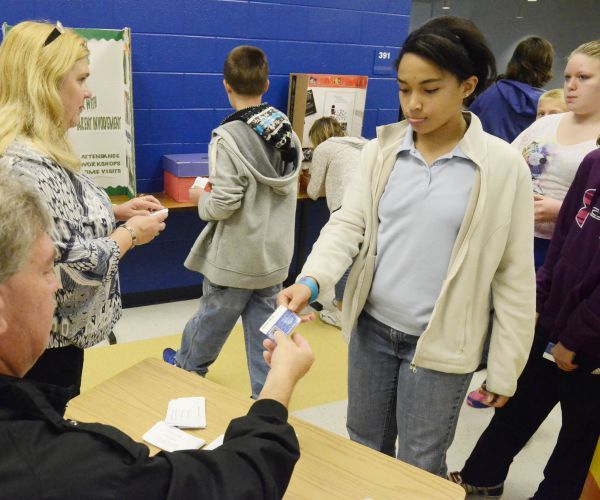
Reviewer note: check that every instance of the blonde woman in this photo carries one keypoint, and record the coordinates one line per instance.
(43, 74)
(555, 145)
(335, 160)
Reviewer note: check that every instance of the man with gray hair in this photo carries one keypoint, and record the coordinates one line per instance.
(27, 279)
(44, 455)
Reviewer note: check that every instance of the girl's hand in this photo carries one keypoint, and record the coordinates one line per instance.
(496, 400)
(492, 399)
(295, 298)
(564, 357)
(545, 209)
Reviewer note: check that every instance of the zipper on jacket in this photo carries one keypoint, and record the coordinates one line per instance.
(413, 364)
(463, 337)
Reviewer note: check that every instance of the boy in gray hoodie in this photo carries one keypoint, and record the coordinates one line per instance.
(245, 250)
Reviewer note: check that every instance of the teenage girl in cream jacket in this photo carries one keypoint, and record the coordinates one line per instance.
(439, 218)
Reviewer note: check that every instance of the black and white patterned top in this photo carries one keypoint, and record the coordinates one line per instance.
(89, 298)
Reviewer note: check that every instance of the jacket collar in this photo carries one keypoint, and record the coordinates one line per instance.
(29, 398)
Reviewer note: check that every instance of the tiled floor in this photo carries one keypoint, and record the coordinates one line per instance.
(526, 471)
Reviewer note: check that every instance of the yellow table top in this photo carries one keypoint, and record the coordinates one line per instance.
(330, 466)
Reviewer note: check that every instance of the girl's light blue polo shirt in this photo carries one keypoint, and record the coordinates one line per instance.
(420, 214)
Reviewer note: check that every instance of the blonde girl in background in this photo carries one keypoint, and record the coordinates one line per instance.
(555, 145)
(335, 160)
(551, 102)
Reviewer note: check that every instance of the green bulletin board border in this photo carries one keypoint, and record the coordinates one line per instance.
(99, 34)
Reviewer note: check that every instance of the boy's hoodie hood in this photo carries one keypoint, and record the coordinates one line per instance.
(270, 124)
(275, 159)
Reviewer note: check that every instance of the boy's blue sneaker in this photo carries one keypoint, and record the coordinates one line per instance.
(169, 356)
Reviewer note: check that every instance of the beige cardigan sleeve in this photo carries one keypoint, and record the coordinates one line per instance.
(340, 239)
(513, 292)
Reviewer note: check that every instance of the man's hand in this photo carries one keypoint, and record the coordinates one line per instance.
(564, 357)
(195, 194)
(289, 359)
(291, 354)
(546, 209)
(142, 205)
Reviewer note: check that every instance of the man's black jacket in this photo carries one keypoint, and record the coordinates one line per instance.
(42, 455)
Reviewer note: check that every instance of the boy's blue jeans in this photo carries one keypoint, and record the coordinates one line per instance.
(387, 401)
(207, 330)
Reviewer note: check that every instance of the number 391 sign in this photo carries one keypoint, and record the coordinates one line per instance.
(383, 61)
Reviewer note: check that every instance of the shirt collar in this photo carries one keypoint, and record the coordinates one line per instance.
(408, 144)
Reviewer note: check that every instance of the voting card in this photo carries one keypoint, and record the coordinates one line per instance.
(200, 182)
(283, 320)
(171, 439)
(548, 352)
(160, 212)
(187, 413)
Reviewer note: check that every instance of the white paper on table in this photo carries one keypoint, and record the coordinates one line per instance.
(171, 439)
(187, 413)
(215, 443)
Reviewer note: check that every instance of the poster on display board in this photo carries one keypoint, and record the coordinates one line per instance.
(103, 138)
(312, 96)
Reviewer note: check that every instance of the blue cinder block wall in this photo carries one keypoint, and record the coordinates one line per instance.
(179, 47)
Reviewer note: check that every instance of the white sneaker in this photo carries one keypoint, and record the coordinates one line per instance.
(331, 317)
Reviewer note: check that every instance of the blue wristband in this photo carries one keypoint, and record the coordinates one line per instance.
(312, 284)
